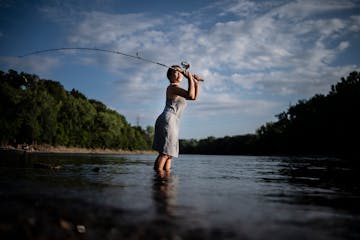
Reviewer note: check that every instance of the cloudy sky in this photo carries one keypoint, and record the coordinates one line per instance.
(256, 57)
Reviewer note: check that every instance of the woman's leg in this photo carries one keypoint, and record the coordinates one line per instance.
(160, 161)
(156, 163)
(167, 166)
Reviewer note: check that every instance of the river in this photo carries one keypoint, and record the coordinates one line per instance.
(97, 196)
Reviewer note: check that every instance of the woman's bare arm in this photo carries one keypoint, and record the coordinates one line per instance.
(190, 94)
(196, 81)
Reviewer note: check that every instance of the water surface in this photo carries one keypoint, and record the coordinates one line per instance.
(204, 197)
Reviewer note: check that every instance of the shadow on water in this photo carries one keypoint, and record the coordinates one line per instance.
(322, 182)
(60, 172)
(327, 173)
(119, 197)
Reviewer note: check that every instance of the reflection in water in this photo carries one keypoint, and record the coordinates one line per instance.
(254, 198)
(164, 193)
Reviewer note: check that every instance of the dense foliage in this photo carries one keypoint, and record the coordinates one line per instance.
(324, 124)
(37, 111)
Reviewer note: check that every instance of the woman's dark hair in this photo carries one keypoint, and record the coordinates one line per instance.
(171, 71)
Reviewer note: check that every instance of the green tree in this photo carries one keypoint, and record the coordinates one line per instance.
(34, 110)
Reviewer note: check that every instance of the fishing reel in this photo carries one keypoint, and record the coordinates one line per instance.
(186, 66)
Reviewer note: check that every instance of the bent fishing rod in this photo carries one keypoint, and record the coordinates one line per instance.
(184, 64)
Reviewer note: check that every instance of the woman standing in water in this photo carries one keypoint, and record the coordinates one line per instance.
(166, 137)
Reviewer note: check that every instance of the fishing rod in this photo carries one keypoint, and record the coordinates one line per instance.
(184, 64)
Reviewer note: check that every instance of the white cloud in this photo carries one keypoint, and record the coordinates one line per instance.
(243, 8)
(34, 64)
(343, 45)
(278, 48)
(231, 104)
(355, 23)
(281, 40)
(101, 28)
(302, 9)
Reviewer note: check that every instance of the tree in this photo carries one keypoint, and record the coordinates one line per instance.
(34, 110)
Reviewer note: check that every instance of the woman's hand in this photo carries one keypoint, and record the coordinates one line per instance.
(187, 74)
(197, 77)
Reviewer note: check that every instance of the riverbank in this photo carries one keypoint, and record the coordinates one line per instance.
(44, 148)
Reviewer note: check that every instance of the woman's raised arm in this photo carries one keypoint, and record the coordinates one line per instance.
(190, 94)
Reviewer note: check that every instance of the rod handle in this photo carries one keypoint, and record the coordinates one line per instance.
(183, 72)
(200, 79)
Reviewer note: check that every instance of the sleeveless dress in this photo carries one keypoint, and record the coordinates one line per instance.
(166, 137)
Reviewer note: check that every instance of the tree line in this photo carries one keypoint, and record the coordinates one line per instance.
(40, 111)
(322, 125)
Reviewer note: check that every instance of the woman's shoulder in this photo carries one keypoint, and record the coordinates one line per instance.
(173, 86)
(176, 91)
(171, 91)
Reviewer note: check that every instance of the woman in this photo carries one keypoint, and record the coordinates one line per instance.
(166, 138)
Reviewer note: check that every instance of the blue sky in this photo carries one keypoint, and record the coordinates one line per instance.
(257, 57)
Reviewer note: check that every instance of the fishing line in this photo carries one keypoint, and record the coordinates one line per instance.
(185, 65)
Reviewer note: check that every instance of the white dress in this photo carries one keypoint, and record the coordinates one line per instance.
(166, 137)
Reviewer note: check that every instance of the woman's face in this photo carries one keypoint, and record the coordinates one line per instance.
(178, 76)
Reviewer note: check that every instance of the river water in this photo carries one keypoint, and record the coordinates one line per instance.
(204, 197)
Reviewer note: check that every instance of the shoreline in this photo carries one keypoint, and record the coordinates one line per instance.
(71, 150)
